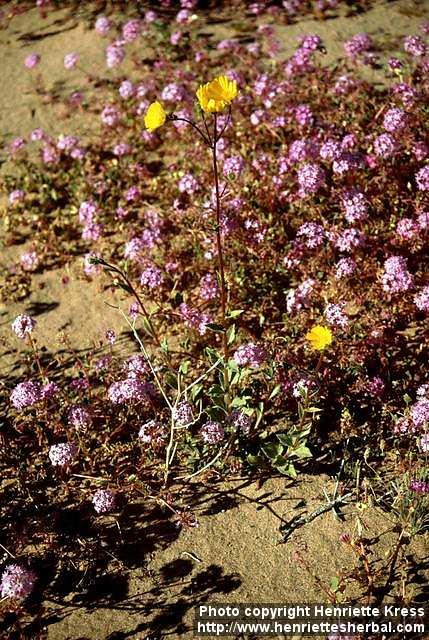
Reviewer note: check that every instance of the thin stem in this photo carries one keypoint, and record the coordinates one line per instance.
(319, 363)
(207, 129)
(7, 551)
(143, 308)
(228, 119)
(169, 458)
(36, 356)
(209, 464)
(111, 267)
(195, 126)
(143, 349)
(219, 237)
(201, 377)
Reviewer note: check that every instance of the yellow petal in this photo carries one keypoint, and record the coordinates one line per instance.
(319, 337)
(217, 94)
(229, 88)
(155, 116)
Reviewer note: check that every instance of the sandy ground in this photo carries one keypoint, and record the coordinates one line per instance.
(234, 555)
(56, 36)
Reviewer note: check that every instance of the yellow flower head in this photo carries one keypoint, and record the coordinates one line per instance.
(217, 94)
(155, 116)
(319, 337)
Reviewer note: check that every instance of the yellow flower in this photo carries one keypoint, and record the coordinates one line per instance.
(155, 116)
(217, 94)
(319, 337)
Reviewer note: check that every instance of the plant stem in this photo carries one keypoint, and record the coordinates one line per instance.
(219, 239)
(143, 308)
(194, 126)
(36, 357)
(210, 463)
(168, 455)
(145, 353)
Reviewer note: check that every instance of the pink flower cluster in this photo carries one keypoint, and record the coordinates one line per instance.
(396, 277)
(23, 325)
(62, 454)
(104, 500)
(250, 355)
(130, 390)
(194, 318)
(212, 432)
(17, 582)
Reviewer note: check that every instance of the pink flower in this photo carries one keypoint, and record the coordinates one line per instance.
(212, 432)
(421, 299)
(102, 25)
(407, 228)
(131, 30)
(71, 60)
(194, 319)
(32, 60)
(115, 54)
(29, 260)
(250, 355)
(23, 325)
(26, 394)
(422, 178)
(110, 115)
(17, 582)
(62, 454)
(152, 277)
(104, 500)
(15, 196)
(396, 277)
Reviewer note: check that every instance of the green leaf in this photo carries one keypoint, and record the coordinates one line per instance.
(217, 328)
(303, 433)
(212, 355)
(216, 390)
(334, 583)
(288, 470)
(171, 380)
(235, 378)
(184, 367)
(125, 287)
(195, 391)
(259, 413)
(280, 461)
(238, 401)
(216, 412)
(146, 326)
(235, 313)
(303, 452)
(272, 450)
(255, 461)
(285, 439)
(274, 392)
(231, 364)
(231, 333)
